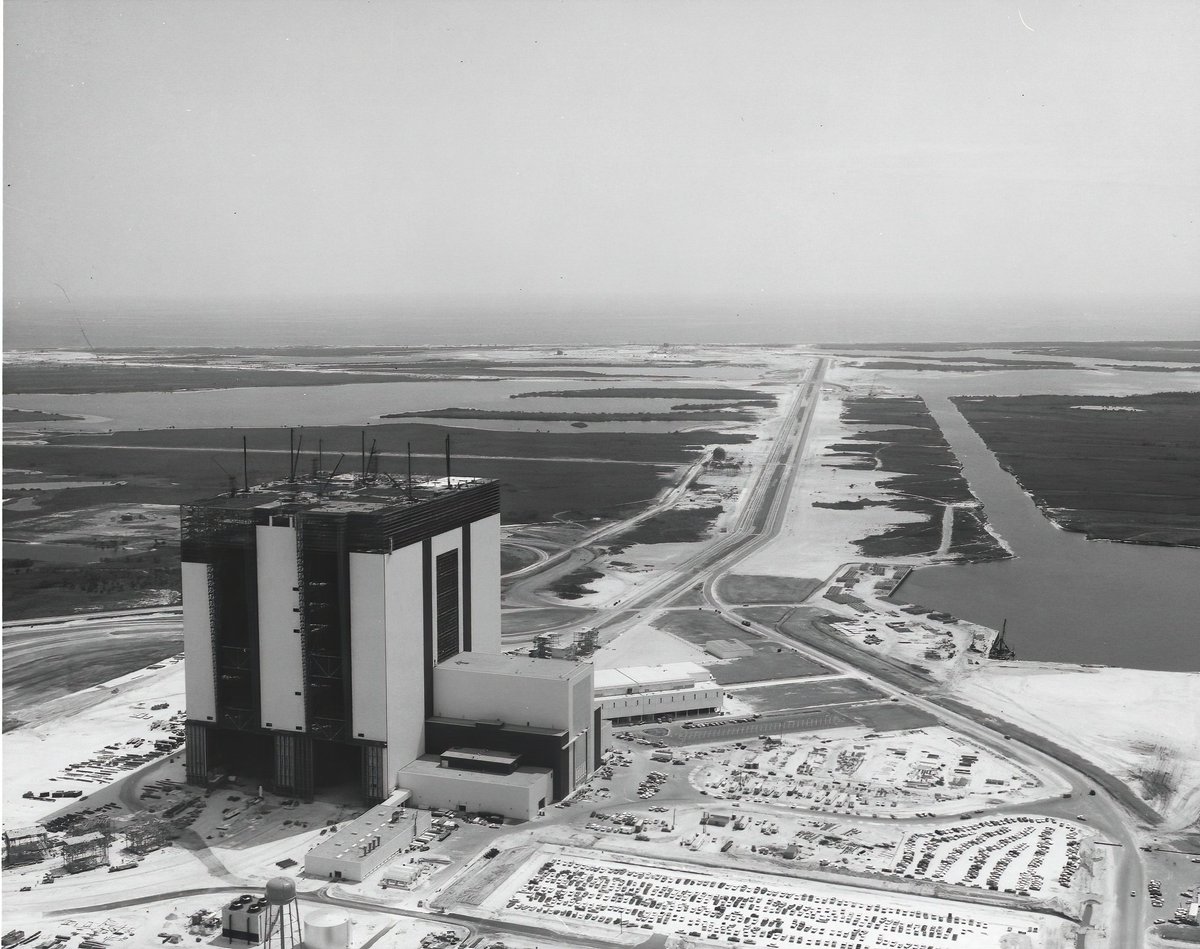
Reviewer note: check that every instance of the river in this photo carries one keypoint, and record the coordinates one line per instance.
(1066, 599)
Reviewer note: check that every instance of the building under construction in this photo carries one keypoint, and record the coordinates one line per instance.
(25, 845)
(320, 612)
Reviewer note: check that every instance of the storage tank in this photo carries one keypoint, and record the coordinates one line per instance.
(327, 929)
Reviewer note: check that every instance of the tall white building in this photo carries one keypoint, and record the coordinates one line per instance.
(317, 615)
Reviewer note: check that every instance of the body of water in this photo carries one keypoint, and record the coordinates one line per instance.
(1066, 599)
(354, 404)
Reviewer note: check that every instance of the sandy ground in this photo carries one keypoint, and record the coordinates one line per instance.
(1127, 720)
(815, 541)
(644, 645)
(36, 755)
(875, 624)
(129, 525)
(627, 571)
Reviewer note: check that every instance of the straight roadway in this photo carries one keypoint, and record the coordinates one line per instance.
(1100, 807)
(758, 523)
(766, 492)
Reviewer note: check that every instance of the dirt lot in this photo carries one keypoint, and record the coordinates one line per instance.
(769, 661)
(752, 589)
(803, 695)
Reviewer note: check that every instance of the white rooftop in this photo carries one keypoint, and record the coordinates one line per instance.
(429, 766)
(347, 841)
(671, 675)
(500, 664)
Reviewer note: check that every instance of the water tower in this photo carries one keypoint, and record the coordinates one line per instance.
(283, 914)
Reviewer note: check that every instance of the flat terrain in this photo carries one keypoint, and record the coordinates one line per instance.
(579, 891)
(718, 394)
(1158, 350)
(768, 661)
(928, 477)
(1113, 468)
(71, 378)
(793, 696)
(516, 415)
(898, 773)
(755, 589)
(32, 415)
(42, 663)
(981, 365)
(542, 474)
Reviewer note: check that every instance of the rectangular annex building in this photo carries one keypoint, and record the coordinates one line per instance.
(646, 693)
(315, 614)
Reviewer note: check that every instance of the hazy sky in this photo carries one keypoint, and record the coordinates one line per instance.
(504, 151)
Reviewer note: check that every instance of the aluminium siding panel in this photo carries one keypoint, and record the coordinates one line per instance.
(405, 659)
(280, 646)
(484, 589)
(368, 646)
(198, 671)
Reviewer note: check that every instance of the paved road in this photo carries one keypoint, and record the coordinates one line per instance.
(524, 586)
(766, 493)
(1129, 926)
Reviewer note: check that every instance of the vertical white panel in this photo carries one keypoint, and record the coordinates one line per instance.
(485, 585)
(368, 652)
(581, 697)
(440, 544)
(463, 692)
(281, 666)
(405, 658)
(198, 670)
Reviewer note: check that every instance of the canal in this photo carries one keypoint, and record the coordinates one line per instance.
(1066, 599)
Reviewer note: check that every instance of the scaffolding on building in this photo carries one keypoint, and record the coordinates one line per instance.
(84, 852)
(25, 845)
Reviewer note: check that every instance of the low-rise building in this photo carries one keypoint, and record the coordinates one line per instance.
(728, 648)
(357, 848)
(646, 693)
(478, 782)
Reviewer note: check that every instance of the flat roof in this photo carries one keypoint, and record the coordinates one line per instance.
(651, 678)
(493, 726)
(15, 833)
(347, 841)
(481, 755)
(524, 666)
(612, 695)
(429, 766)
(341, 494)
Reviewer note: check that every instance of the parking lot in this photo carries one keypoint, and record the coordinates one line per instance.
(921, 772)
(577, 890)
(1012, 854)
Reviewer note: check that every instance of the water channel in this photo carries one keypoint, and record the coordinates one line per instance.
(1066, 599)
